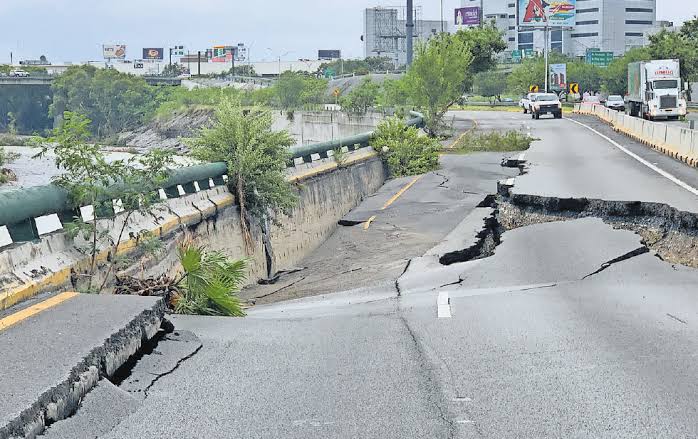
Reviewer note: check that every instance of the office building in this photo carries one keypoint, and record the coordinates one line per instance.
(608, 25)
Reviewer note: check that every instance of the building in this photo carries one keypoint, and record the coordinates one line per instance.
(609, 25)
(385, 32)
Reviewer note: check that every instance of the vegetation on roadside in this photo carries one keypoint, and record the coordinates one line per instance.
(494, 141)
(404, 150)
(6, 158)
(256, 158)
(209, 282)
(361, 98)
(92, 180)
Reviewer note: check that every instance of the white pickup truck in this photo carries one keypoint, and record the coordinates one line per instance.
(546, 103)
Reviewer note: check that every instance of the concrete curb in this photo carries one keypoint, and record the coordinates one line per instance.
(63, 399)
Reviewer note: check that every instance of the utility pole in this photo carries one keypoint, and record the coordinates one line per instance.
(545, 52)
(170, 57)
(410, 32)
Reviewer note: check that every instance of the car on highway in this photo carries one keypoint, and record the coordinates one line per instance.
(593, 100)
(615, 102)
(546, 103)
(19, 74)
(525, 102)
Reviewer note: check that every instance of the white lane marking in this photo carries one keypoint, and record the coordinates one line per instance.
(443, 306)
(659, 171)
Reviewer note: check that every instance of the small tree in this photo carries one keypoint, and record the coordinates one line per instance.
(490, 84)
(256, 157)
(361, 98)
(91, 179)
(403, 149)
(437, 76)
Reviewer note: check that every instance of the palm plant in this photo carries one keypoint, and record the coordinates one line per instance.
(210, 282)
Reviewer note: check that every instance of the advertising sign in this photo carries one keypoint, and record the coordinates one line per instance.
(467, 16)
(558, 76)
(114, 51)
(547, 13)
(222, 54)
(329, 54)
(178, 51)
(154, 53)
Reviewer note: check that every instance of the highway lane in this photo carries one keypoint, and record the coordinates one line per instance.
(572, 161)
(554, 335)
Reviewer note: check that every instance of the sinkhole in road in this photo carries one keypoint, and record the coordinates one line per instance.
(672, 235)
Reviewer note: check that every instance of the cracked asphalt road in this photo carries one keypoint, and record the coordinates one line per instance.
(421, 217)
(570, 329)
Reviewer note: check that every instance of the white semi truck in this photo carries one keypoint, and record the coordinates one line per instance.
(654, 89)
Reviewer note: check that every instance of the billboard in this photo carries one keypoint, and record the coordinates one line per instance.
(329, 54)
(467, 16)
(154, 53)
(558, 77)
(222, 54)
(547, 13)
(114, 51)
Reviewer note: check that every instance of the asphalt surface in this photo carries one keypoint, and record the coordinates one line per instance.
(422, 216)
(571, 161)
(563, 332)
(40, 352)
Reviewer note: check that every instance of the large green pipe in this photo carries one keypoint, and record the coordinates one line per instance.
(21, 204)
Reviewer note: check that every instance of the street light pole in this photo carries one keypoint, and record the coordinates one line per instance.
(546, 54)
(442, 16)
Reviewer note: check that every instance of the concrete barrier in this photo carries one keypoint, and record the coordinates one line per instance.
(326, 193)
(676, 142)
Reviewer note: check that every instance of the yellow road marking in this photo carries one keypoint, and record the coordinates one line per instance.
(402, 191)
(367, 224)
(473, 128)
(387, 204)
(17, 317)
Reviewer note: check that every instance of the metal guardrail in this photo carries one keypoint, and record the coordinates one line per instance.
(19, 208)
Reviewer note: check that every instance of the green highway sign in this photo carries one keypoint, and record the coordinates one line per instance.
(599, 58)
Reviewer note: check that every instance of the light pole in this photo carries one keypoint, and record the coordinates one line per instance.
(442, 16)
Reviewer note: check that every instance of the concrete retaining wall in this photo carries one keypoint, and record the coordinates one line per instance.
(320, 126)
(209, 217)
(679, 143)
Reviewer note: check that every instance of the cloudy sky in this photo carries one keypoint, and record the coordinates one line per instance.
(74, 30)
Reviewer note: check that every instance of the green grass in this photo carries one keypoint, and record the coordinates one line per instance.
(493, 141)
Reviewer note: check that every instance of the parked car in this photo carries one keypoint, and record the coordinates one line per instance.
(19, 74)
(525, 102)
(615, 102)
(546, 103)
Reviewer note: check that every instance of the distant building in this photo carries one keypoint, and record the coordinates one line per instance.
(607, 25)
(385, 32)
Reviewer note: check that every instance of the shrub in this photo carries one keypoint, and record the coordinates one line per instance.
(404, 150)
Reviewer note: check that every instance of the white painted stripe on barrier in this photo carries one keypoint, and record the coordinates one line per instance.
(211, 184)
(659, 171)
(87, 213)
(163, 195)
(5, 238)
(47, 224)
(196, 187)
(118, 206)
